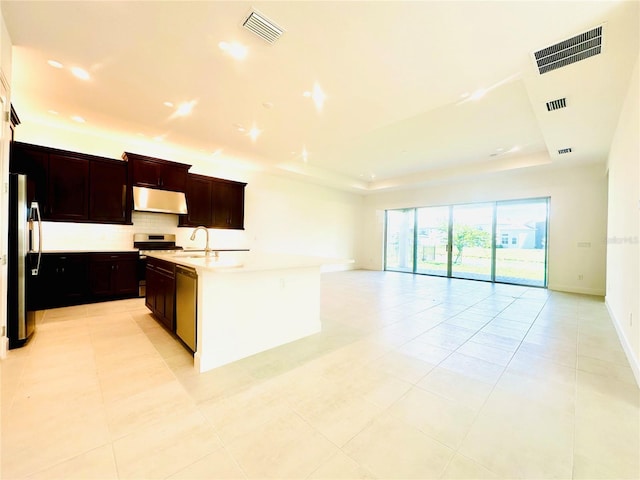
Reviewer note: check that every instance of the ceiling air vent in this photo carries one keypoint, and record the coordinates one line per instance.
(261, 26)
(569, 51)
(564, 150)
(556, 104)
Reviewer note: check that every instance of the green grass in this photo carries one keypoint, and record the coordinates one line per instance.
(511, 264)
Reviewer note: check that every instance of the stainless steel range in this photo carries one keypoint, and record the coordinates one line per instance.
(151, 242)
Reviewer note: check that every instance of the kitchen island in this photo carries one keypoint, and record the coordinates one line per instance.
(250, 302)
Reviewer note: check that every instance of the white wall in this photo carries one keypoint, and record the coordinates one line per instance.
(623, 249)
(5, 91)
(281, 214)
(578, 209)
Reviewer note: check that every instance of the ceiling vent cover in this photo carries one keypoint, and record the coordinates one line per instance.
(562, 151)
(569, 51)
(261, 26)
(556, 104)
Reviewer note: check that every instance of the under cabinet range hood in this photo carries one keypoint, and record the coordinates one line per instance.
(160, 201)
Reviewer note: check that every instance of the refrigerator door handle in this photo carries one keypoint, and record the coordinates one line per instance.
(35, 211)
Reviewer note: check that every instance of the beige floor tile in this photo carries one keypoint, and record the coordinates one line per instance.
(218, 383)
(30, 449)
(242, 413)
(473, 367)
(541, 368)
(375, 386)
(609, 369)
(607, 432)
(94, 464)
(218, 464)
(163, 449)
(441, 418)
(284, 447)
(341, 419)
(463, 468)
(497, 341)
(128, 414)
(340, 466)
(389, 448)
(369, 397)
(426, 352)
(64, 313)
(139, 378)
(485, 352)
(516, 438)
(458, 387)
(405, 367)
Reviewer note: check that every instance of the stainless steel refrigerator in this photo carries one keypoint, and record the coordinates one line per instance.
(25, 252)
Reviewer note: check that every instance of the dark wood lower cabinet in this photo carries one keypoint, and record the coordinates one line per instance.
(61, 281)
(161, 291)
(113, 274)
(76, 278)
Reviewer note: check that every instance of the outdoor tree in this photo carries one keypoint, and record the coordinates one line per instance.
(468, 236)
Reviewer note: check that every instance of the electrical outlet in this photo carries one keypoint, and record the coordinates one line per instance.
(581, 277)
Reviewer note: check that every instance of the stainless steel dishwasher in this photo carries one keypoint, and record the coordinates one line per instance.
(186, 305)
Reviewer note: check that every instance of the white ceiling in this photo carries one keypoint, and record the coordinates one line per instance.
(394, 74)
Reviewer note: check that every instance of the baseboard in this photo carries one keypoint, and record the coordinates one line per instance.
(633, 361)
(4, 347)
(573, 289)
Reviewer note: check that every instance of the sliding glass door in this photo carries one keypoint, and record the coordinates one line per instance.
(471, 241)
(432, 255)
(400, 240)
(502, 241)
(521, 238)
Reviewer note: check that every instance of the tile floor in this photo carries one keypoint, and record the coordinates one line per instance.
(411, 377)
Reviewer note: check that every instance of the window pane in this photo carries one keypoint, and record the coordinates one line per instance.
(399, 247)
(433, 236)
(472, 225)
(523, 260)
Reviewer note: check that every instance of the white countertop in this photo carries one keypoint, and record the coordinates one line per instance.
(238, 262)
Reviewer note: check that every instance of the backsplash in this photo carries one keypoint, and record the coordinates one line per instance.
(69, 237)
(95, 237)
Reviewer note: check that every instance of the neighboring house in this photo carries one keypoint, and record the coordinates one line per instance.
(529, 235)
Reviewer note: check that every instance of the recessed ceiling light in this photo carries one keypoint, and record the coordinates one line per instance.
(267, 105)
(80, 73)
(235, 49)
(159, 138)
(317, 95)
(254, 133)
(478, 94)
(185, 108)
(168, 104)
(77, 118)
(55, 64)
(217, 153)
(52, 112)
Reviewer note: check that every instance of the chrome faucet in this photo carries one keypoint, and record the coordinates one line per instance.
(207, 250)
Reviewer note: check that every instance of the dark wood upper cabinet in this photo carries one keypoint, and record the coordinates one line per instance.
(71, 186)
(32, 161)
(68, 188)
(108, 192)
(156, 173)
(228, 204)
(198, 201)
(214, 203)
